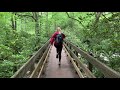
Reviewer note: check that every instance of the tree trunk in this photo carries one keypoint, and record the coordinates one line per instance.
(25, 24)
(35, 14)
(40, 22)
(47, 25)
(72, 22)
(37, 31)
(37, 27)
(21, 24)
(13, 21)
(36, 18)
(97, 17)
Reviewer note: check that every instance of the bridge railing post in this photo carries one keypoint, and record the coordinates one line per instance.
(76, 53)
(90, 66)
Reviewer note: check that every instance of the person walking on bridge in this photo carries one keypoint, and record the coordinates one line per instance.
(57, 38)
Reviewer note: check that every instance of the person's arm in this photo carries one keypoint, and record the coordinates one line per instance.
(52, 38)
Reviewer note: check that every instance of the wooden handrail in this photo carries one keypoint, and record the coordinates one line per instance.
(107, 71)
(39, 65)
(30, 63)
(85, 69)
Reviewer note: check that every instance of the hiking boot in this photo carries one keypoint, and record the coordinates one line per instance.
(59, 63)
(57, 56)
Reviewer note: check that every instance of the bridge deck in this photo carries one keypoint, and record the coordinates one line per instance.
(53, 70)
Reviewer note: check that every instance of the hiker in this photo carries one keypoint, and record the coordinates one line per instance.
(57, 38)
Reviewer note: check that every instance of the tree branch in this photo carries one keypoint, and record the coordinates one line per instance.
(105, 17)
(34, 16)
(21, 15)
(74, 19)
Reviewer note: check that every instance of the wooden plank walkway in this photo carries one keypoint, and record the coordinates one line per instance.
(53, 70)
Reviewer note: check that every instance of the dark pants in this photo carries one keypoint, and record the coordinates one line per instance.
(59, 50)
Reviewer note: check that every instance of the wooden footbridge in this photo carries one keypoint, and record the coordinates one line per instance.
(44, 64)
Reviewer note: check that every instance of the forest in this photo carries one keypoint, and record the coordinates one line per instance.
(23, 33)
